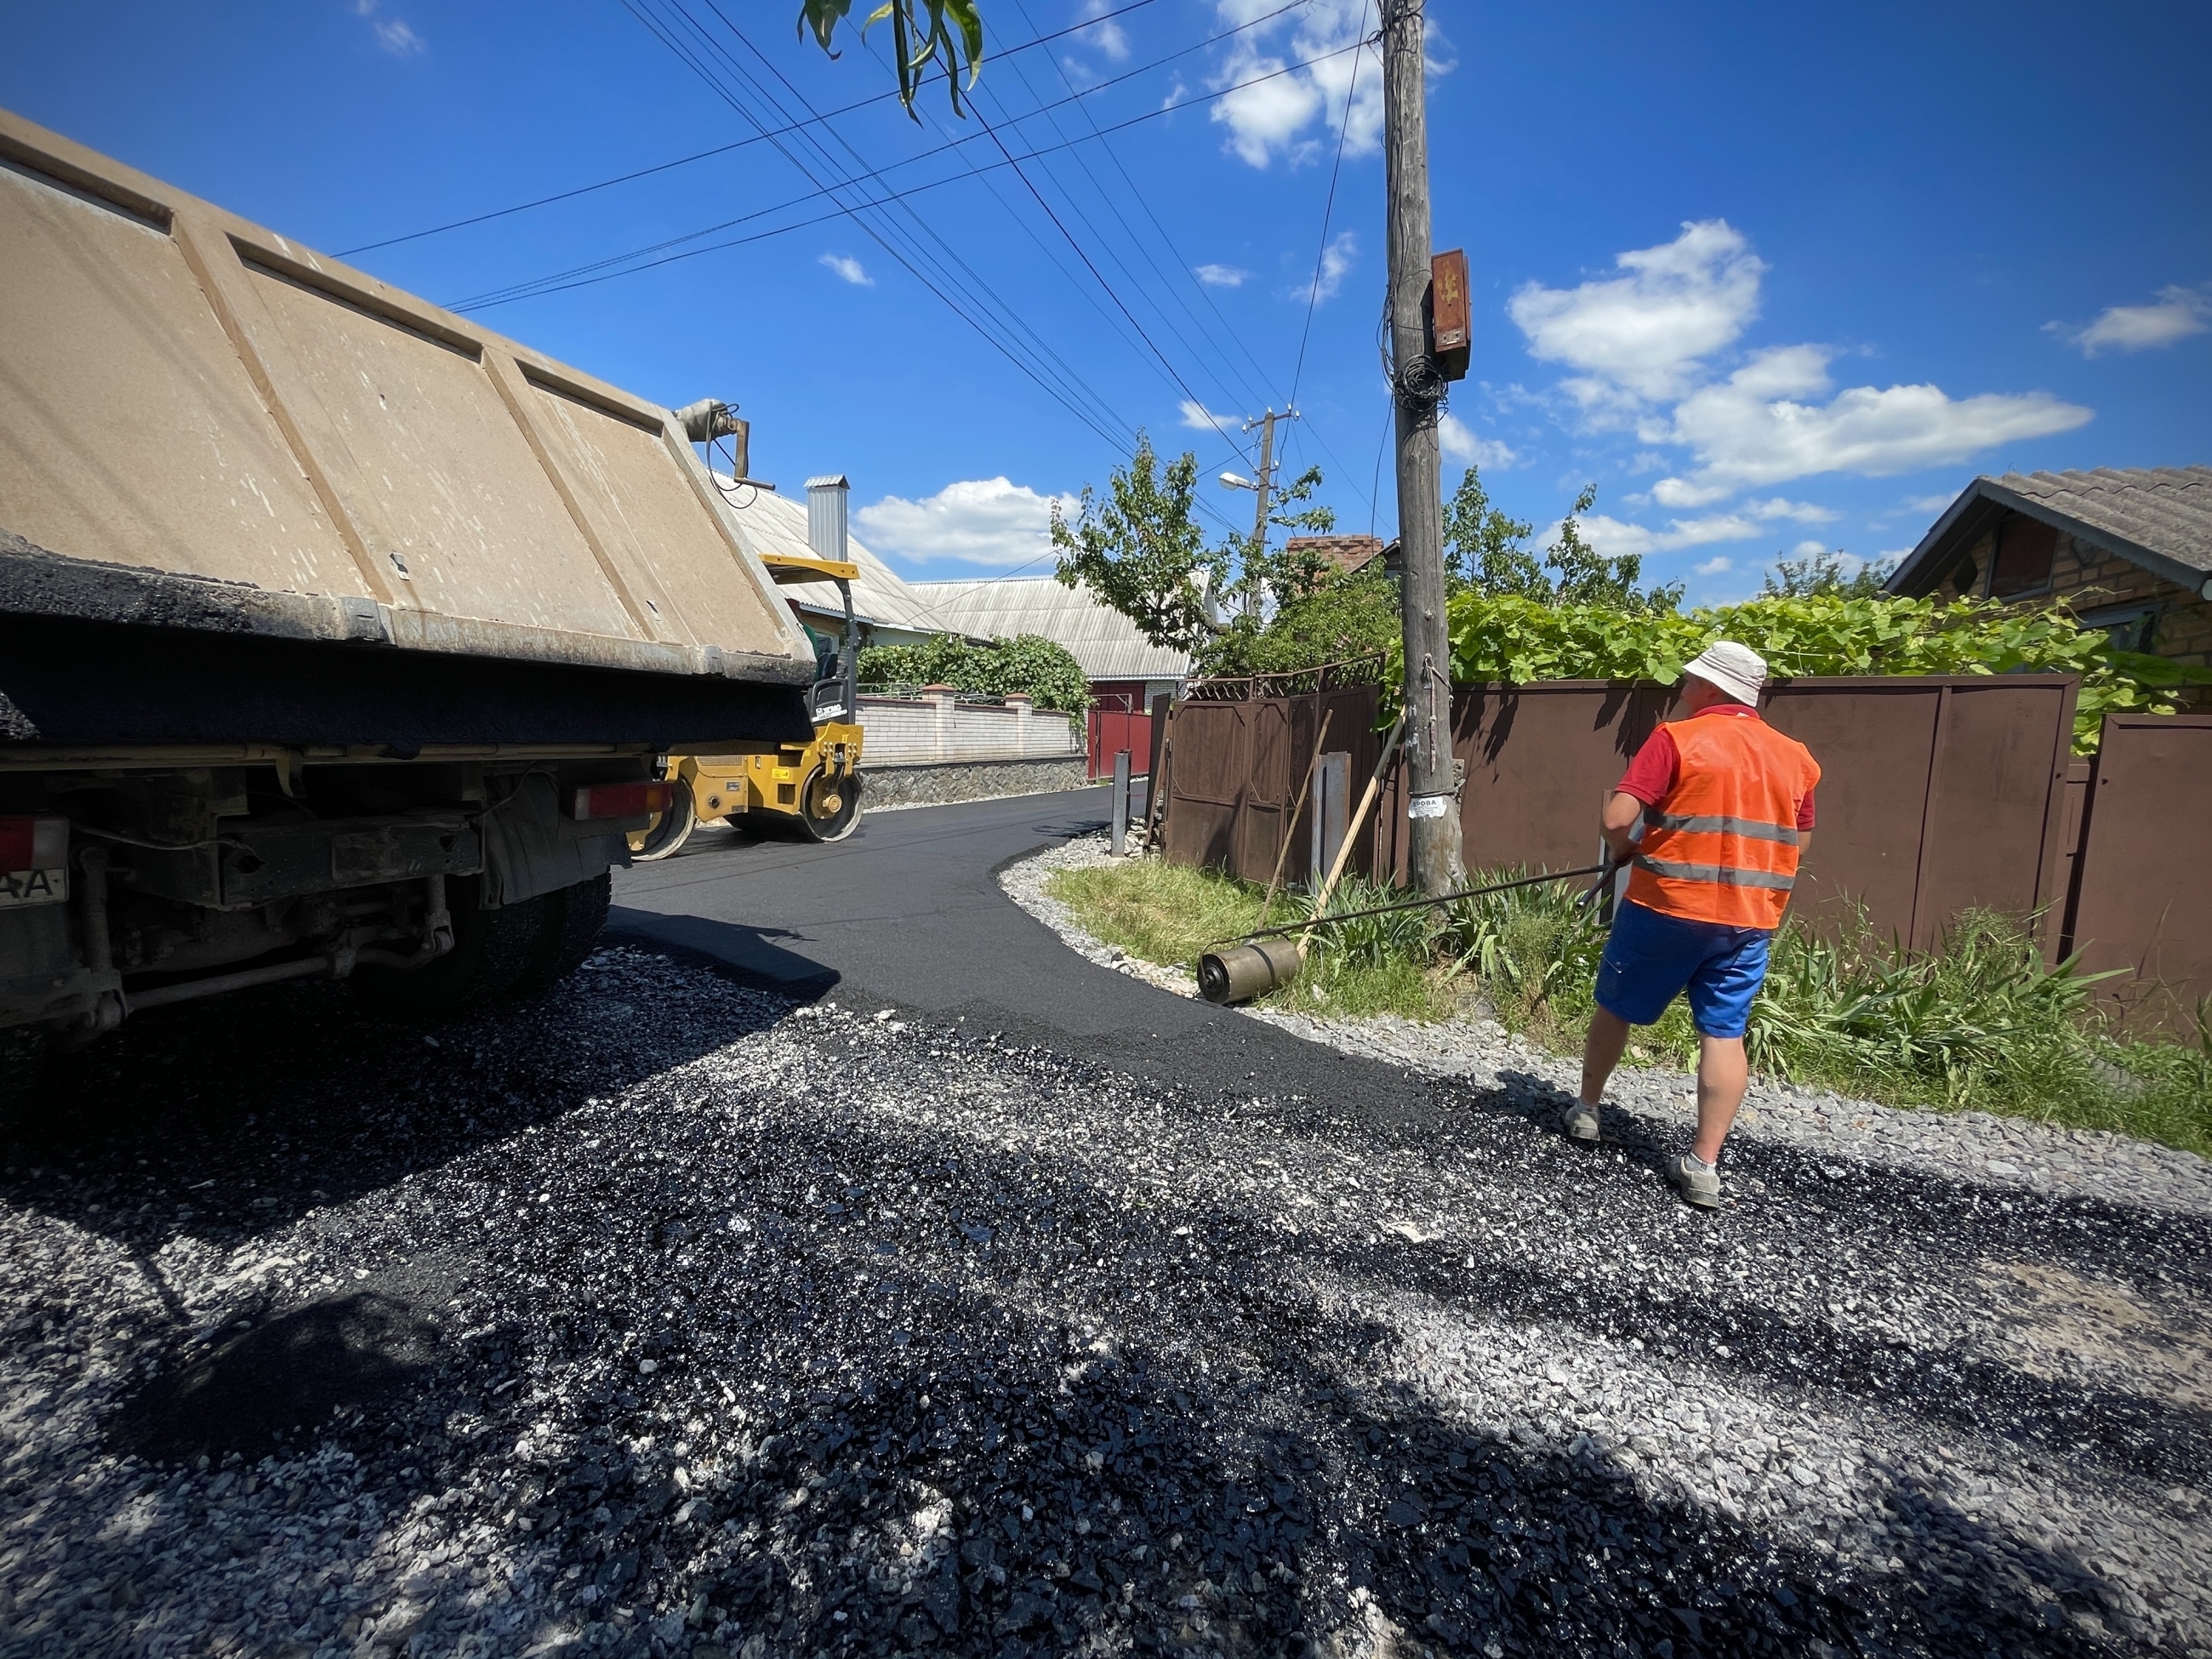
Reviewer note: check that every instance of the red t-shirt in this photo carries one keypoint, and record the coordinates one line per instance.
(1651, 776)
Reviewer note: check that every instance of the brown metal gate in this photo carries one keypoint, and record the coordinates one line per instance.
(1234, 768)
(2143, 897)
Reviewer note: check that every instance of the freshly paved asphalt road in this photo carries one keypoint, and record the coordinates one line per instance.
(908, 914)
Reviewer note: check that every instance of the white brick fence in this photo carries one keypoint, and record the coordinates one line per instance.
(936, 727)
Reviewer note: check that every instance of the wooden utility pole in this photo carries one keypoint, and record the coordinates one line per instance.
(1266, 482)
(1433, 797)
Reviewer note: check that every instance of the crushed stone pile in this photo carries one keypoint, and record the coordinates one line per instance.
(660, 1316)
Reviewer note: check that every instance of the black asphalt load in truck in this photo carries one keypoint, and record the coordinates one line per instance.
(339, 637)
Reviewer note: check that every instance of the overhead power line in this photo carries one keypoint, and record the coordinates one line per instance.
(1328, 208)
(1105, 429)
(586, 276)
(816, 118)
(947, 257)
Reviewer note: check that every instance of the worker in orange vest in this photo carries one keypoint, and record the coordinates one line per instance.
(1725, 803)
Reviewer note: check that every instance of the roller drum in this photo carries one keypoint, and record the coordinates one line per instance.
(1245, 971)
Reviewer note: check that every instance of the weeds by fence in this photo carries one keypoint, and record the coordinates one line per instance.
(1981, 1024)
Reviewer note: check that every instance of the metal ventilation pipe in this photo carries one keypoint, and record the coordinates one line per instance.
(708, 418)
(825, 515)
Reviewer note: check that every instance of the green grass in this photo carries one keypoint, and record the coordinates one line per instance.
(1981, 1024)
(1170, 914)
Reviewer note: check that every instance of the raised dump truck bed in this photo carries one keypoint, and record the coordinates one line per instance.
(336, 630)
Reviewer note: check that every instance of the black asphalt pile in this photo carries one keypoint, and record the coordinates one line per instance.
(661, 1315)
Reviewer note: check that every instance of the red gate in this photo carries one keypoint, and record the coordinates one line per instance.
(1113, 729)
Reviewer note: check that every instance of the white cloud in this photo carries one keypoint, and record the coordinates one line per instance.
(393, 35)
(1929, 503)
(1643, 334)
(1269, 120)
(1797, 511)
(1464, 446)
(1612, 538)
(1221, 276)
(1719, 565)
(1199, 418)
(2180, 312)
(1104, 38)
(1757, 427)
(1641, 345)
(1812, 544)
(850, 269)
(1336, 263)
(985, 520)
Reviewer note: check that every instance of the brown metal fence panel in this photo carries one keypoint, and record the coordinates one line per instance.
(1234, 768)
(2143, 900)
(1207, 765)
(1938, 793)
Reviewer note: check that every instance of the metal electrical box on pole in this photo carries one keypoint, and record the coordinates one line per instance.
(1416, 388)
(1450, 325)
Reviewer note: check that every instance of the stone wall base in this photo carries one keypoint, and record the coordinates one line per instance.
(928, 786)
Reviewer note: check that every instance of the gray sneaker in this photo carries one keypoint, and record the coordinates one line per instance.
(1580, 1122)
(1700, 1187)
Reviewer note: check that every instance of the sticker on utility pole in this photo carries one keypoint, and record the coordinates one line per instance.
(1429, 806)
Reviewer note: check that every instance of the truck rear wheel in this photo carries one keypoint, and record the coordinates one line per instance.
(575, 917)
(495, 952)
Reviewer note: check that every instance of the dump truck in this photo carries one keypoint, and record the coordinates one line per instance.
(340, 637)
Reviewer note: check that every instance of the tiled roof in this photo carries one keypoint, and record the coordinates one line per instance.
(2159, 517)
(1348, 553)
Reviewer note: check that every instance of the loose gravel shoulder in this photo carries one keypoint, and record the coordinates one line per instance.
(1863, 1136)
(662, 1315)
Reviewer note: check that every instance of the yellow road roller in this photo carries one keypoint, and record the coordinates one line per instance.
(812, 789)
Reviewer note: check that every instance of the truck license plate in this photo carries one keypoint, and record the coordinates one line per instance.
(33, 887)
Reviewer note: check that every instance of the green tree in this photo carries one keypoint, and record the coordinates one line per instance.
(1824, 573)
(1487, 553)
(1140, 550)
(1484, 549)
(951, 31)
(1282, 576)
(1586, 576)
(1338, 618)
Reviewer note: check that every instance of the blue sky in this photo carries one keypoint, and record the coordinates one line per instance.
(1767, 276)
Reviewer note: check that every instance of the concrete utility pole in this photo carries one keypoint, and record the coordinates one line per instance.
(1433, 796)
(1252, 606)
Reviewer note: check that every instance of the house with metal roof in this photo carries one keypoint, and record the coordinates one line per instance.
(883, 602)
(2129, 550)
(1126, 670)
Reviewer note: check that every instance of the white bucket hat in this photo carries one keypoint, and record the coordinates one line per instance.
(1736, 669)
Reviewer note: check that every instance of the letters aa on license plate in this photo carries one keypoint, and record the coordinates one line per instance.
(33, 887)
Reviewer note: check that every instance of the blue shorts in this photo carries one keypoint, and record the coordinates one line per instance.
(1649, 959)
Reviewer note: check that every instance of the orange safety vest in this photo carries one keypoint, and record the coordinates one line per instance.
(1722, 845)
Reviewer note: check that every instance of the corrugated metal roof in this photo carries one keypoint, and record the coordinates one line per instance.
(2159, 517)
(1106, 642)
(770, 523)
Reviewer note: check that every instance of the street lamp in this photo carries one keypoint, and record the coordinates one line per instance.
(1230, 481)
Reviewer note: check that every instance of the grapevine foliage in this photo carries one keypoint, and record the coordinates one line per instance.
(1513, 640)
(1027, 662)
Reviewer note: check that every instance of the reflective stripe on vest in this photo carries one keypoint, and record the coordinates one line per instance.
(1719, 874)
(1720, 824)
(1722, 847)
